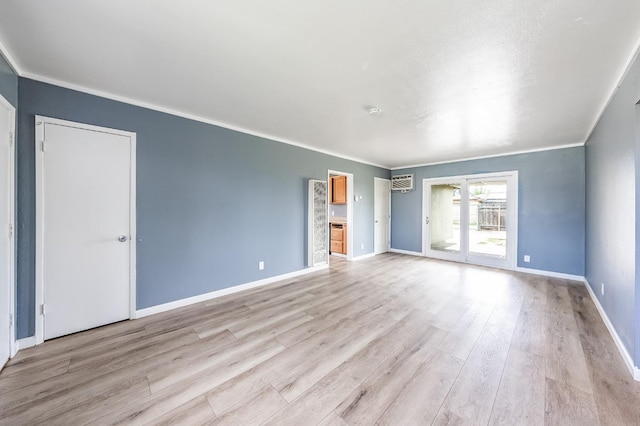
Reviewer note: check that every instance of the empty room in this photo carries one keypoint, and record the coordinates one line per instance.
(319, 213)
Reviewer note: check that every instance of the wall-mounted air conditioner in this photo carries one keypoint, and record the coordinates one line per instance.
(402, 183)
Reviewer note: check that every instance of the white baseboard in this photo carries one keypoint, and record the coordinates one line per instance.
(550, 274)
(223, 292)
(27, 342)
(410, 253)
(364, 256)
(626, 356)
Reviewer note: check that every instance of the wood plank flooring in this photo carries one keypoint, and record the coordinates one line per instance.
(391, 340)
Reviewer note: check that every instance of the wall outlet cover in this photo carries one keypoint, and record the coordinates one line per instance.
(261, 265)
(527, 258)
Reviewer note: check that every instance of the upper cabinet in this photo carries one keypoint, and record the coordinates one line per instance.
(338, 193)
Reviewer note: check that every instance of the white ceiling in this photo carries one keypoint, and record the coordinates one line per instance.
(455, 78)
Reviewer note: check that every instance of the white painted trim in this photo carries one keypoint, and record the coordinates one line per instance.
(549, 273)
(350, 201)
(626, 356)
(407, 252)
(374, 214)
(627, 67)
(482, 157)
(154, 107)
(39, 300)
(133, 219)
(7, 56)
(223, 292)
(364, 256)
(27, 342)
(177, 113)
(4, 103)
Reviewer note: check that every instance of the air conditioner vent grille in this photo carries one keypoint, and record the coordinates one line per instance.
(402, 183)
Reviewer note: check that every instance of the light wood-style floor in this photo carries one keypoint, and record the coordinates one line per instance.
(392, 340)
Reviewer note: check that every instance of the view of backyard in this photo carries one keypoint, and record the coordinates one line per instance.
(487, 226)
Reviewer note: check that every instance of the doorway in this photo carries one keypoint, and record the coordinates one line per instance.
(341, 216)
(7, 248)
(472, 219)
(382, 215)
(85, 227)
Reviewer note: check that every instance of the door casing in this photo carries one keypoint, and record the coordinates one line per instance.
(40, 188)
(512, 223)
(350, 201)
(7, 108)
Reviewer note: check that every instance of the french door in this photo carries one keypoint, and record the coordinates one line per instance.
(471, 219)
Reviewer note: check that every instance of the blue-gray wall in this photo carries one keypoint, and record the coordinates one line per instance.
(8, 83)
(211, 202)
(551, 199)
(611, 211)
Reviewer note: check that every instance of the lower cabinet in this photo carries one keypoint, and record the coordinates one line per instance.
(338, 238)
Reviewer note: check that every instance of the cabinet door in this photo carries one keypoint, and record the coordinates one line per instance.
(339, 190)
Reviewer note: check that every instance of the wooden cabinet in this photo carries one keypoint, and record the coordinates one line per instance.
(339, 238)
(338, 190)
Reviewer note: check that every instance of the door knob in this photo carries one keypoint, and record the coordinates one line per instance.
(122, 238)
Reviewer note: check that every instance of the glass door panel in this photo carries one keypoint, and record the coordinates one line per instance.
(444, 219)
(487, 218)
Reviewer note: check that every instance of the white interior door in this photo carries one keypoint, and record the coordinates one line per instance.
(382, 214)
(472, 219)
(85, 189)
(6, 230)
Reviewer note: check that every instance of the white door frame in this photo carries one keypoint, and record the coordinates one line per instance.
(5, 104)
(512, 224)
(40, 192)
(374, 214)
(350, 198)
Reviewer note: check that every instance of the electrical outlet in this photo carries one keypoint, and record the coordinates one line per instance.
(261, 265)
(527, 258)
(333, 213)
(362, 246)
(602, 288)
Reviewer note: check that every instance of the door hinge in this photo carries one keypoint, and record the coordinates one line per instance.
(43, 309)
(42, 146)
(10, 320)
(10, 230)
(10, 138)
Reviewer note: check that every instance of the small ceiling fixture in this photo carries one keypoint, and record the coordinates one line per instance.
(375, 111)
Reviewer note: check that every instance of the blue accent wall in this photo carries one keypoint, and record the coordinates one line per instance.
(612, 211)
(8, 83)
(551, 199)
(211, 202)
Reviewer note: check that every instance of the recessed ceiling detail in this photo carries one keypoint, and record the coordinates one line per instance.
(457, 79)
